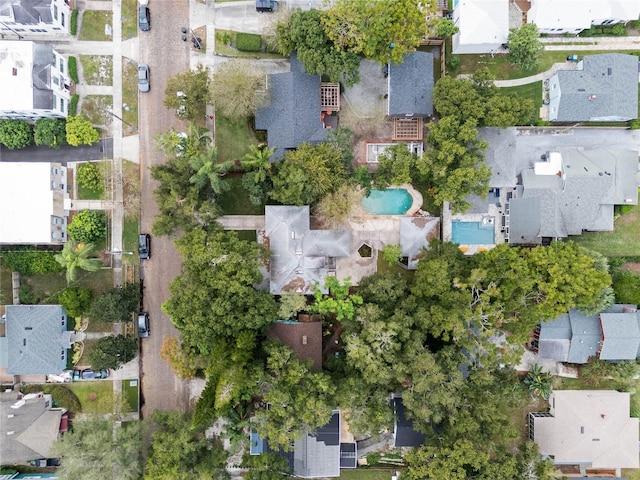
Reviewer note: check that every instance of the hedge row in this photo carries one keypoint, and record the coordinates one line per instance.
(73, 69)
(73, 104)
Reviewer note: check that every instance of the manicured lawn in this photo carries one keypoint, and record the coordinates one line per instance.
(97, 69)
(624, 241)
(531, 90)
(129, 19)
(89, 194)
(224, 48)
(130, 393)
(130, 237)
(236, 200)
(232, 138)
(248, 235)
(367, 474)
(130, 96)
(93, 25)
(54, 283)
(95, 397)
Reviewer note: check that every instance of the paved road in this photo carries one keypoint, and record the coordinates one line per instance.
(34, 153)
(166, 55)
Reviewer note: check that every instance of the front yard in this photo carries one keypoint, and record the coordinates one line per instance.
(624, 241)
(96, 397)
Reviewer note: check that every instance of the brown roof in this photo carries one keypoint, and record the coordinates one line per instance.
(305, 339)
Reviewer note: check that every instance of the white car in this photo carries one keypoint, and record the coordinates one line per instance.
(143, 3)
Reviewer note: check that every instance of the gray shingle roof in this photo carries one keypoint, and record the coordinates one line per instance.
(606, 89)
(415, 233)
(586, 336)
(28, 12)
(411, 86)
(524, 223)
(621, 336)
(500, 155)
(37, 339)
(555, 339)
(318, 455)
(293, 115)
(300, 257)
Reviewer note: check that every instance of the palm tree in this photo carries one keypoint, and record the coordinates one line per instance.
(210, 172)
(72, 257)
(257, 160)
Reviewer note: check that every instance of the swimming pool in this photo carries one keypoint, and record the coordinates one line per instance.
(393, 201)
(472, 233)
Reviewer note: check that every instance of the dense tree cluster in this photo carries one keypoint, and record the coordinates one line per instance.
(524, 46)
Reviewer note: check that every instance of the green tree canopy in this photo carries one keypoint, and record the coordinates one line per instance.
(51, 132)
(74, 257)
(524, 46)
(215, 295)
(304, 34)
(397, 166)
(117, 304)
(208, 172)
(308, 173)
(382, 30)
(113, 352)
(88, 226)
(80, 131)
(189, 92)
(15, 133)
(76, 301)
(338, 301)
(89, 175)
(238, 89)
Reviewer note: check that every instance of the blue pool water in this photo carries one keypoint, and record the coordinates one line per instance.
(393, 201)
(472, 233)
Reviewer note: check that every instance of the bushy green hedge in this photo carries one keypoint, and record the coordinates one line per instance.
(248, 42)
(626, 285)
(73, 104)
(89, 176)
(73, 69)
(88, 226)
(29, 261)
(62, 396)
(73, 25)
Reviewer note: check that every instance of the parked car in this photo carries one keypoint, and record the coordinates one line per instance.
(144, 18)
(102, 374)
(87, 374)
(76, 375)
(144, 246)
(143, 78)
(143, 2)
(266, 5)
(572, 58)
(143, 324)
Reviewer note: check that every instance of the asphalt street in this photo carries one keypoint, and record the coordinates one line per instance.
(166, 55)
(34, 153)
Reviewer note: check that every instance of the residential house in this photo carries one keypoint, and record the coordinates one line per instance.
(613, 334)
(34, 18)
(603, 88)
(404, 434)
(555, 17)
(410, 93)
(415, 234)
(300, 257)
(298, 111)
(538, 196)
(29, 426)
(483, 25)
(304, 338)
(587, 432)
(36, 191)
(37, 339)
(35, 81)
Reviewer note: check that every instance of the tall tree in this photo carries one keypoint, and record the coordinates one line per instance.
(304, 34)
(113, 352)
(74, 257)
(116, 304)
(524, 46)
(238, 89)
(397, 165)
(80, 131)
(258, 167)
(190, 92)
(15, 133)
(209, 172)
(383, 30)
(50, 132)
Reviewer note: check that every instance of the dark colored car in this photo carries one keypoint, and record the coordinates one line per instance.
(144, 19)
(143, 78)
(102, 374)
(88, 374)
(144, 246)
(143, 324)
(266, 5)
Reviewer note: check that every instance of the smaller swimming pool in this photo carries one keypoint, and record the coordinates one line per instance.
(393, 201)
(472, 233)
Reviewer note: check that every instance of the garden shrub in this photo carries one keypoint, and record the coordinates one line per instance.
(248, 42)
(51, 132)
(626, 285)
(73, 69)
(73, 24)
(88, 226)
(29, 261)
(75, 300)
(15, 134)
(88, 175)
(28, 296)
(73, 104)
(62, 396)
(635, 124)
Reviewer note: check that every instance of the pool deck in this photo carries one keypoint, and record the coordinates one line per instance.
(468, 249)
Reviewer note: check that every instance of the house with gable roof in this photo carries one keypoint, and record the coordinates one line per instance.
(603, 88)
(587, 432)
(40, 18)
(37, 339)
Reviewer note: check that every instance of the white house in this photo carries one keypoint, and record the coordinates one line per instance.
(35, 81)
(483, 25)
(556, 17)
(34, 18)
(32, 203)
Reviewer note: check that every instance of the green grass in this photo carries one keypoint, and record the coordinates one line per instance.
(130, 235)
(248, 235)
(129, 96)
(624, 241)
(96, 107)
(232, 138)
(530, 90)
(130, 393)
(96, 397)
(6, 295)
(129, 19)
(54, 283)
(223, 48)
(93, 25)
(97, 69)
(88, 347)
(85, 193)
(366, 474)
(502, 70)
(384, 267)
(236, 200)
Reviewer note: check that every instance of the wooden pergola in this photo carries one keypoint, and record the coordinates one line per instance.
(330, 97)
(407, 128)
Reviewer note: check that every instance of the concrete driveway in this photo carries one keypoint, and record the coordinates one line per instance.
(167, 55)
